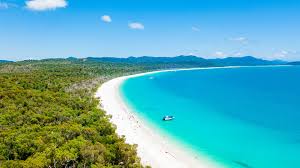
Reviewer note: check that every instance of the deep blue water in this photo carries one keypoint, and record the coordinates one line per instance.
(240, 117)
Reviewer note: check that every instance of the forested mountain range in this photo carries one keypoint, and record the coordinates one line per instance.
(189, 60)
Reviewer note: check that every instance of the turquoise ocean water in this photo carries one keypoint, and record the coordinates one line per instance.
(240, 117)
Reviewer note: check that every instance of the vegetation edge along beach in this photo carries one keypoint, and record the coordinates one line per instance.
(154, 148)
(50, 118)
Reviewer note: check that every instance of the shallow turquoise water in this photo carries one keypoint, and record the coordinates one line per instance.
(240, 117)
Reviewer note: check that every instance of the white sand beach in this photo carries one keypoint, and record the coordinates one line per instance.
(154, 149)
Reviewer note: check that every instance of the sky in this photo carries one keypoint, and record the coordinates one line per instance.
(37, 29)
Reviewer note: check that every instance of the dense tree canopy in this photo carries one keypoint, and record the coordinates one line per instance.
(49, 118)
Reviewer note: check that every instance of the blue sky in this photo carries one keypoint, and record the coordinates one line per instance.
(36, 29)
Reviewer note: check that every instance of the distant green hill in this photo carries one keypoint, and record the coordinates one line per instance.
(189, 61)
(294, 63)
(157, 62)
(1, 61)
(178, 61)
(149, 59)
(244, 61)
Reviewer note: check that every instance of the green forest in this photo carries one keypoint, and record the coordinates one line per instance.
(50, 118)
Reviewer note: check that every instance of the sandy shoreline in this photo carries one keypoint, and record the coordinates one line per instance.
(153, 148)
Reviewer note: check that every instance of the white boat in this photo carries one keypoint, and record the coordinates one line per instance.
(168, 118)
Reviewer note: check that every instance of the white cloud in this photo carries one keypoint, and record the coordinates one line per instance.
(136, 25)
(238, 54)
(42, 5)
(281, 54)
(219, 54)
(243, 40)
(106, 18)
(284, 54)
(194, 28)
(6, 5)
(238, 39)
